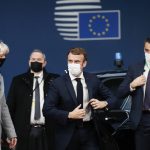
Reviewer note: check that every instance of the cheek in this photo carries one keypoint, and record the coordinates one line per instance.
(82, 66)
(43, 64)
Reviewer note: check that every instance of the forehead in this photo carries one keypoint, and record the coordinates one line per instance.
(36, 55)
(147, 45)
(75, 57)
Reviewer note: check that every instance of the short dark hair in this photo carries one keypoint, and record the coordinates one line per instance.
(78, 51)
(147, 40)
(39, 51)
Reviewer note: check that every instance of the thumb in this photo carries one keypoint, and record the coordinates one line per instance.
(78, 106)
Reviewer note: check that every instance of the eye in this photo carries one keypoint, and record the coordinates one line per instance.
(36, 59)
(69, 61)
(77, 61)
(147, 50)
(39, 59)
(32, 59)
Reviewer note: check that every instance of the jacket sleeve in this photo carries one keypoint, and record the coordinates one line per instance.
(7, 123)
(124, 88)
(11, 99)
(6, 120)
(107, 95)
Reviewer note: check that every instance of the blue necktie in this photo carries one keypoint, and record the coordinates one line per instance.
(37, 114)
(79, 92)
(146, 105)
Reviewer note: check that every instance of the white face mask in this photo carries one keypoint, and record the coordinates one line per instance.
(74, 69)
(147, 57)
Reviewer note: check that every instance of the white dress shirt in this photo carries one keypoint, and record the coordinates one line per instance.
(85, 95)
(41, 87)
(145, 73)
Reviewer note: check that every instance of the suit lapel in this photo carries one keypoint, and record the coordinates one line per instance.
(47, 82)
(141, 72)
(70, 88)
(141, 67)
(28, 79)
(89, 85)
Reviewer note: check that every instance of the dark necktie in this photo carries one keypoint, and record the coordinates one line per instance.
(79, 92)
(37, 100)
(147, 94)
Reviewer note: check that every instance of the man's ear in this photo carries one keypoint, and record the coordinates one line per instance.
(44, 64)
(85, 63)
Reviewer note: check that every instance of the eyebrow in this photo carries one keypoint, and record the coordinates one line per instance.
(146, 49)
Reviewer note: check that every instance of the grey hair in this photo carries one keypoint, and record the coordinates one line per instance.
(39, 51)
(4, 48)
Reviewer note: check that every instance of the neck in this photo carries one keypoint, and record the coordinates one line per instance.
(36, 73)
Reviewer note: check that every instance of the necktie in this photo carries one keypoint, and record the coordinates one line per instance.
(37, 100)
(79, 92)
(147, 94)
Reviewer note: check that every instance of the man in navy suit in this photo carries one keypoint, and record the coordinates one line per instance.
(136, 84)
(74, 127)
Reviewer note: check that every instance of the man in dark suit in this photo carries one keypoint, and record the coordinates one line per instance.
(32, 130)
(136, 84)
(74, 126)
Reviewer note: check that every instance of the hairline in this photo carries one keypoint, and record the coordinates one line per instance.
(38, 51)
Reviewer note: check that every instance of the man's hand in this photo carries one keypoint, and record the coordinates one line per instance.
(77, 113)
(141, 80)
(12, 142)
(96, 104)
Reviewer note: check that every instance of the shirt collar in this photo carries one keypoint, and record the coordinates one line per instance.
(40, 75)
(147, 66)
(73, 77)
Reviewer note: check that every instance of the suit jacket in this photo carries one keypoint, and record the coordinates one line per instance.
(137, 96)
(6, 122)
(61, 100)
(19, 101)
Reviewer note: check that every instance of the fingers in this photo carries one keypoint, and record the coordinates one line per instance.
(93, 102)
(81, 114)
(12, 142)
(77, 113)
(96, 104)
(141, 80)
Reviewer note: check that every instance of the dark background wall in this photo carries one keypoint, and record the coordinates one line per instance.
(29, 24)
